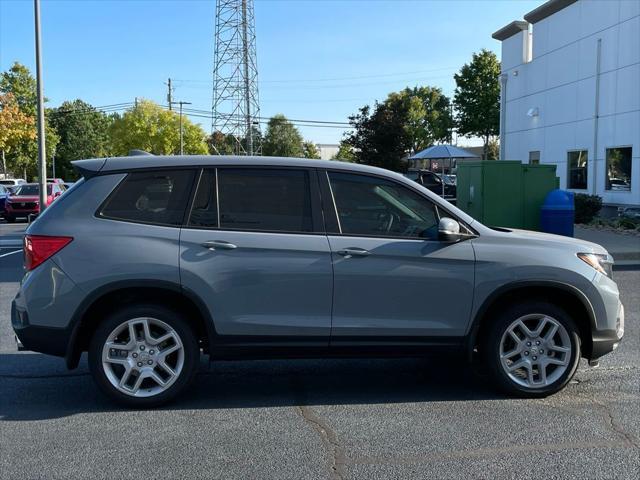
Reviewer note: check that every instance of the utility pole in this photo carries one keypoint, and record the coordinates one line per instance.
(42, 161)
(169, 92)
(181, 103)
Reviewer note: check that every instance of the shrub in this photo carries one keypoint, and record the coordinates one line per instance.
(587, 207)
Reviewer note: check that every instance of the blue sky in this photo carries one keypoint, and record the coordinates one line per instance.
(111, 51)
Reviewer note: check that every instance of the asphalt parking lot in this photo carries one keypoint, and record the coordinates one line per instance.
(424, 418)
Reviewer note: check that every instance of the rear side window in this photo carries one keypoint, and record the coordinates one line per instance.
(263, 199)
(158, 197)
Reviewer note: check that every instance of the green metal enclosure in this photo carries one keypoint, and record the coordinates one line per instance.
(504, 193)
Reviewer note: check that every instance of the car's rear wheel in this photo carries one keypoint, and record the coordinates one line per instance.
(143, 355)
(533, 349)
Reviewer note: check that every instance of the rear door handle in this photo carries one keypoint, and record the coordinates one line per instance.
(354, 252)
(219, 245)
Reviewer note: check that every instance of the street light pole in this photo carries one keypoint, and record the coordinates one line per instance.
(181, 134)
(42, 162)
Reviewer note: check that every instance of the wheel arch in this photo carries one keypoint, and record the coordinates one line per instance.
(91, 311)
(562, 294)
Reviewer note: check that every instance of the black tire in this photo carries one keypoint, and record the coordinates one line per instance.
(10, 219)
(172, 318)
(500, 324)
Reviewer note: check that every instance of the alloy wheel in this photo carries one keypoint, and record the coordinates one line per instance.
(143, 357)
(535, 351)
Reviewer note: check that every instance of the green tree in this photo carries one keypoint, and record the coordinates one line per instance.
(151, 128)
(427, 115)
(15, 127)
(477, 98)
(23, 157)
(282, 138)
(379, 136)
(406, 122)
(309, 150)
(344, 153)
(226, 144)
(19, 81)
(84, 133)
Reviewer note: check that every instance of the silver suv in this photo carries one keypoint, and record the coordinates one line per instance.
(149, 261)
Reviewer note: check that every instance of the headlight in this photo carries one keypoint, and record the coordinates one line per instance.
(602, 263)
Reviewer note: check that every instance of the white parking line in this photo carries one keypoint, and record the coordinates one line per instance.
(10, 253)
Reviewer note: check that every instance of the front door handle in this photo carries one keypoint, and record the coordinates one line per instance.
(354, 252)
(219, 245)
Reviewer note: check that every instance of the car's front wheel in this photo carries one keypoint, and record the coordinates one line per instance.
(143, 355)
(533, 349)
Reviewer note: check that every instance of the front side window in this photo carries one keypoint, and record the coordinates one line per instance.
(277, 200)
(158, 197)
(376, 207)
(577, 169)
(618, 169)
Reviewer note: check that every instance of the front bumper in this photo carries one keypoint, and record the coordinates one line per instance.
(607, 341)
(20, 212)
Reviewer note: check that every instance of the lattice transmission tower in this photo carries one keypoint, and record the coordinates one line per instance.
(236, 109)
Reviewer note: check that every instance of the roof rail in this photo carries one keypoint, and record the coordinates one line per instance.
(136, 152)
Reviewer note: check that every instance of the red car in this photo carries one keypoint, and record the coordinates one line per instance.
(25, 200)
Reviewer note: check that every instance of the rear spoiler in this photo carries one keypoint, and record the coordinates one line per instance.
(89, 168)
(92, 167)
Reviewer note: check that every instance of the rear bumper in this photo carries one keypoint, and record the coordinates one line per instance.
(49, 340)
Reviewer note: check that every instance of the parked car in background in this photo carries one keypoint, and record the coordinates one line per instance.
(26, 201)
(4, 193)
(630, 212)
(433, 182)
(68, 185)
(12, 181)
(147, 262)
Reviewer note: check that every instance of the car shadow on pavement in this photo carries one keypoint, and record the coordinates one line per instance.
(253, 384)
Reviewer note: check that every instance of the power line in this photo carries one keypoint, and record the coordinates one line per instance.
(331, 79)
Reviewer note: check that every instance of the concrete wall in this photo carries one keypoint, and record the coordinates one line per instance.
(559, 84)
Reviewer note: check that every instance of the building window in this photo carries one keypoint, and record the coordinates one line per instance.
(618, 169)
(577, 169)
(534, 157)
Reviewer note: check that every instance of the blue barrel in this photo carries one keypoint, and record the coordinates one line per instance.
(557, 213)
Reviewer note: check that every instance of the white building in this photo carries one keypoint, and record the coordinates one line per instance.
(327, 150)
(571, 94)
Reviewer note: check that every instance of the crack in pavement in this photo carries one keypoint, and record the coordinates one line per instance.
(329, 439)
(615, 427)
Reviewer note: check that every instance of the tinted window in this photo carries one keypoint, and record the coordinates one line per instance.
(204, 212)
(151, 197)
(264, 199)
(577, 165)
(373, 206)
(619, 168)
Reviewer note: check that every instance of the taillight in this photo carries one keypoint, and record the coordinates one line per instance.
(38, 248)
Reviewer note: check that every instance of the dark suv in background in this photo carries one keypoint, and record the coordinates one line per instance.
(148, 261)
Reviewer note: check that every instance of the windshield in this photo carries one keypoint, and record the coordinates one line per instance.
(30, 190)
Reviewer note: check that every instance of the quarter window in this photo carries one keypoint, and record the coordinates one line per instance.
(577, 169)
(158, 197)
(618, 169)
(377, 207)
(204, 212)
(265, 199)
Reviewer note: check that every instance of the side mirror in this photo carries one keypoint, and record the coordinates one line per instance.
(448, 230)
